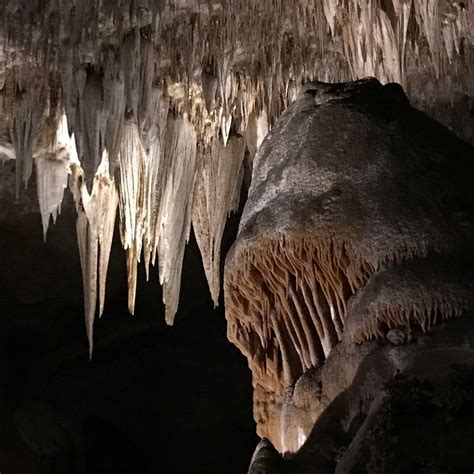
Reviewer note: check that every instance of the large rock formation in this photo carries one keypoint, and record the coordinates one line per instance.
(359, 221)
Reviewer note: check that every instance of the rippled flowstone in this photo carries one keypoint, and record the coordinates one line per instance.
(359, 221)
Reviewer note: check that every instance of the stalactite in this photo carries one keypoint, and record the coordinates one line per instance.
(25, 115)
(153, 132)
(413, 294)
(220, 67)
(131, 65)
(95, 228)
(377, 36)
(68, 83)
(147, 73)
(332, 204)
(92, 122)
(216, 185)
(331, 42)
(291, 289)
(132, 162)
(428, 14)
(209, 88)
(52, 171)
(402, 11)
(257, 129)
(114, 104)
(174, 220)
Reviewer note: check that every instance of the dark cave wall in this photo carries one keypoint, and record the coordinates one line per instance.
(153, 399)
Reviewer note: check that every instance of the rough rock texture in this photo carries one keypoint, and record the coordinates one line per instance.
(414, 293)
(351, 183)
(381, 408)
(265, 459)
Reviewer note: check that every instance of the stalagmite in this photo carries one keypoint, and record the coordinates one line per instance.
(216, 185)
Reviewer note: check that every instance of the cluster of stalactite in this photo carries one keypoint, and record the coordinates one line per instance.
(289, 302)
(290, 295)
(287, 299)
(149, 107)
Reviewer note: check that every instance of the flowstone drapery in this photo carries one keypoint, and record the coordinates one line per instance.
(355, 196)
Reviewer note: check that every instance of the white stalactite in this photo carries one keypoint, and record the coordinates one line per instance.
(52, 171)
(216, 187)
(257, 130)
(95, 229)
(229, 69)
(153, 131)
(174, 221)
(132, 162)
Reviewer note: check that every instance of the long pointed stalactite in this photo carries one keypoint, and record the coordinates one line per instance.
(216, 194)
(175, 212)
(95, 229)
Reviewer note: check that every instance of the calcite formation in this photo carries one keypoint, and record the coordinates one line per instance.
(360, 216)
(164, 85)
(95, 230)
(415, 293)
(331, 419)
(358, 202)
(217, 193)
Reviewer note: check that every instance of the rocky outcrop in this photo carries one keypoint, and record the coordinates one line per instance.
(382, 407)
(358, 221)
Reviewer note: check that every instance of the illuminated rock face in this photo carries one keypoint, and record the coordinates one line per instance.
(355, 196)
(369, 408)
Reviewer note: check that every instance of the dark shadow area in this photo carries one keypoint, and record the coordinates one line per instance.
(154, 399)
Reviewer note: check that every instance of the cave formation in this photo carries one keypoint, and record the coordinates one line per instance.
(338, 133)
